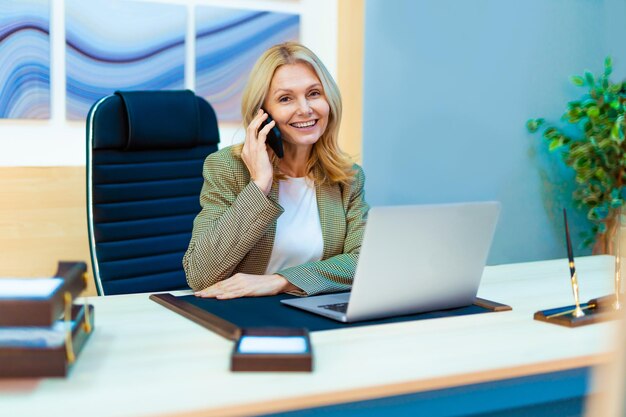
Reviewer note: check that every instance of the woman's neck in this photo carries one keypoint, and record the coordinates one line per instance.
(295, 160)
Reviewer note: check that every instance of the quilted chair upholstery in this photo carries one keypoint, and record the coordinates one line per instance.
(145, 151)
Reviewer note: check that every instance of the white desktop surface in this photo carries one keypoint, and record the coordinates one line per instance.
(145, 360)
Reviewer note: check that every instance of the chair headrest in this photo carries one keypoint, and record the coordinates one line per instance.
(161, 119)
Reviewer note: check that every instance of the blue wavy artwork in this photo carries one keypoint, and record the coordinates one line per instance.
(121, 45)
(25, 59)
(228, 42)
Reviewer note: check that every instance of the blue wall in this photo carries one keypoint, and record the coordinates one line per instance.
(449, 85)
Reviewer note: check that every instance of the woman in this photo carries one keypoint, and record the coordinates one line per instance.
(270, 225)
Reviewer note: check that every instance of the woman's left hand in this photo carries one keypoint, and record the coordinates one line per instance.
(247, 285)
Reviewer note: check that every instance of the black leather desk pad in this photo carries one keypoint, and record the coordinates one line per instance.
(270, 312)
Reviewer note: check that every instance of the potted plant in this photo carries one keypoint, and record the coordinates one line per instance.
(596, 151)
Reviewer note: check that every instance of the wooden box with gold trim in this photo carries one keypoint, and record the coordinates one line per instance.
(41, 330)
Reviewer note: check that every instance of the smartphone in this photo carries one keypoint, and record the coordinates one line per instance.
(274, 137)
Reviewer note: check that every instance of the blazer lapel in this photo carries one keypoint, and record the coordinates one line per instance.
(332, 218)
(266, 243)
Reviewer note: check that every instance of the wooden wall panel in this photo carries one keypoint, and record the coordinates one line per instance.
(42, 220)
(350, 46)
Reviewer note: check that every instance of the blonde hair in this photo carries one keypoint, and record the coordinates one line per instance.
(327, 162)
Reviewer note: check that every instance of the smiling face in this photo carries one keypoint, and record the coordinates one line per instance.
(297, 103)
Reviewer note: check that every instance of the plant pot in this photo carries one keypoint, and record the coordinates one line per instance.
(607, 242)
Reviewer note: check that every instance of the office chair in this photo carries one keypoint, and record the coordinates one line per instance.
(145, 151)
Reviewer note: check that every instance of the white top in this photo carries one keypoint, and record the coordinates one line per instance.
(298, 230)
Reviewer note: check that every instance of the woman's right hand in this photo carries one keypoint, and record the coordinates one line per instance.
(255, 155)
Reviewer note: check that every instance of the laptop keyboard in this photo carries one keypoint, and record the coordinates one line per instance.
(339, 307)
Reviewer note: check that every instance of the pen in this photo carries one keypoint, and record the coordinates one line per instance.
(570, 253)
(578, 312)
(562, 313)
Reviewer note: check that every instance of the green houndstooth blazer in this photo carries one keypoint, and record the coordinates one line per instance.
(235, 229)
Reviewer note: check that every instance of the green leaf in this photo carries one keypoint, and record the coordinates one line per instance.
(604, 83)
(617, 130)
(589, 78)
(533, 125)
(616, 203)
(587, 242)
(590, 102)
(593, 112)
(600, 174)
(555, 144)
(577, 80)
(583, 175)
(605, 143)
(608, 65)
(551, 133)
(614, 104)
(615, 192)
(574, 116)
(581, 162)
(598, 213)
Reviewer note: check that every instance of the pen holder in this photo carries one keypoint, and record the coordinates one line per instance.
(595, 311)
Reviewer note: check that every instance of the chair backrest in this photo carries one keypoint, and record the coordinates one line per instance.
(145, 151)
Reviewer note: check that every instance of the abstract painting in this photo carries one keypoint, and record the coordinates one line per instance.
(25, 59)
(228, 42)
(121, 45)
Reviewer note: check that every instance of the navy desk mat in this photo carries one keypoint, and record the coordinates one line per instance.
(227, 316)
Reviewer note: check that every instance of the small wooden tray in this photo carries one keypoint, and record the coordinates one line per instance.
(272, 361)
(45, 311)
(30, 362)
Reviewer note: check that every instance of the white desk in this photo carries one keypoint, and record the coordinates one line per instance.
(145, 360)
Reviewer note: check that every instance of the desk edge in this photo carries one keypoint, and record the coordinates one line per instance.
(388, 390)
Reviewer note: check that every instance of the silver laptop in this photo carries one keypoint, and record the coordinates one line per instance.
(414, 259)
